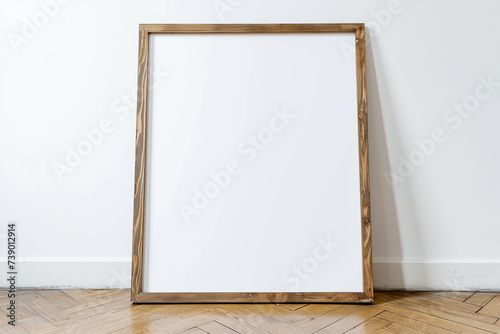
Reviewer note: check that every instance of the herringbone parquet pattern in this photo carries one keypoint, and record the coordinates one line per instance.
(110, 311)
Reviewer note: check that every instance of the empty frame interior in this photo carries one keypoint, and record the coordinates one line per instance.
(252, 165)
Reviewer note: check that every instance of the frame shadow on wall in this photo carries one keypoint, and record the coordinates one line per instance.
(387, 247)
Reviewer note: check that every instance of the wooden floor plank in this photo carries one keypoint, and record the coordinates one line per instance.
(307, 313)
(8, 329)
(351, 321)
(480, 298)
(324, 320)
(194, 331)
(437, 320)
(58, 298)
(194, 321)
(263, 317)
(103, 297)
(395, 295)
(244, 321)
(458, 296)
(492, 308)
(216, 327)
(79, 295)
(480, 321)
(384, 331)
(401, 329)
(292, 307)
(108, 323)
(42, 306)
(157, 324)
(434, 300)
(110, 311)
(412, 323)
(370, 326)
(279, 314)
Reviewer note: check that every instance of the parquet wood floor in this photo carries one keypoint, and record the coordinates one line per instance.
(110, 311)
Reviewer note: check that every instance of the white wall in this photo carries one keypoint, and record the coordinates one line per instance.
(435, 228)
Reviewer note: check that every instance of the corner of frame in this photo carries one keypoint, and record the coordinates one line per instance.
(360, 32)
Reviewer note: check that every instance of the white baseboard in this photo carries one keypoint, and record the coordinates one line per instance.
(414, 275)
(443, 275)
(73, 274)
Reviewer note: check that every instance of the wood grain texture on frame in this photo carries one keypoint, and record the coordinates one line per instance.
(138, 295)
(364, 171)
(140, 165)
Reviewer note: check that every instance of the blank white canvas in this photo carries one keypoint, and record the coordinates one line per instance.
(290, 221)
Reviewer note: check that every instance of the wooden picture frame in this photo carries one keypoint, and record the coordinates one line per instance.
(143, 167)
